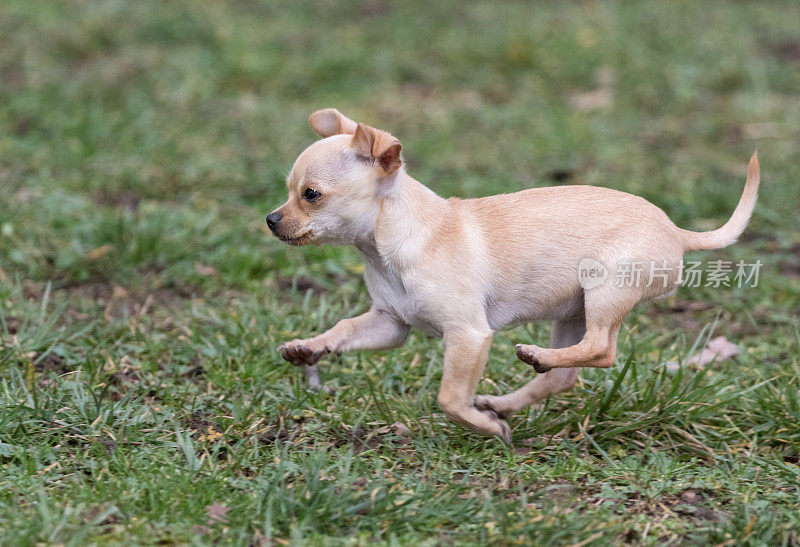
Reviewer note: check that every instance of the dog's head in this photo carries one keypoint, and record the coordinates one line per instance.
(336, 184)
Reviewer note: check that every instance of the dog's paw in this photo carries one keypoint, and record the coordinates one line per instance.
(489, 403)
(503, 430)
(527, 354)
(505, 434)
(299, 353)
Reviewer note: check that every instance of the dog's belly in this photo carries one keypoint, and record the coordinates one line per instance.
(521, 307)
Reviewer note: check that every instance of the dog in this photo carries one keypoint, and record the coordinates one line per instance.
(462, 269)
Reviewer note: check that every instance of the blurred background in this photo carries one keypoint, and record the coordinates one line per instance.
(188, 115)
(142, 144)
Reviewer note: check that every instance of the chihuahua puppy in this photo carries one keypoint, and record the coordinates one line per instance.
(465, 268)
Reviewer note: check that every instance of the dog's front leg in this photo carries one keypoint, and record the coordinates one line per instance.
(374, 330)
(464, 359)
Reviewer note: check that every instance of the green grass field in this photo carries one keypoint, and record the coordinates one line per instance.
(141, 299)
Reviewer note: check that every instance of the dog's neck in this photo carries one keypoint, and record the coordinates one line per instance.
(410, 214)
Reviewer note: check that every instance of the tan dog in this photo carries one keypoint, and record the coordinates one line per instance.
(463, 269)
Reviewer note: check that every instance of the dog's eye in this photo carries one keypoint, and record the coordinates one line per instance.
(310, 194)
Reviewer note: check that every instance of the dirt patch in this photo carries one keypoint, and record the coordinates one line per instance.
(51, 362)
(99, 515)
(790, 269)
(785, 50)
(693, 504)
(192, 371)
(195, 371)
(689, 306)
(321, 285)
(206, 430)
(273, 434)
(121, 199)
(13, 324)
(561, 175)
(527, 447)
(13, 76)
(374, 8)
(23, 126)
(361, 439)
(301, 283)
(33, 290)
(126, 377)
(732, 135)
(286, 430)
(679, 315)
(791, 457)
(153, 268)
(117, 302)
(791, 266)
(751, 236)
(202, 423)
(109, 444)
(562, 493)
(42, 364)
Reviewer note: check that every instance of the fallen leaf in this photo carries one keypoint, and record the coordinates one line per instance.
(216, 513)
(204, 270)
(99, 252)
(690, 496)
(401, 429)
(718, 349)
(592, 100)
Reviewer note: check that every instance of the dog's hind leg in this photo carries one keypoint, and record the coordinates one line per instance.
(605, 308)
(564, 333)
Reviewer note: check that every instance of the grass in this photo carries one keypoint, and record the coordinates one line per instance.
(141, 301)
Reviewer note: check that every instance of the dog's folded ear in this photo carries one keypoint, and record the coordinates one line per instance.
(329, 121)
(378, 145)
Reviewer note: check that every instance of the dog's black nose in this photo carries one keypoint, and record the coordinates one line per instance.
(273, 219)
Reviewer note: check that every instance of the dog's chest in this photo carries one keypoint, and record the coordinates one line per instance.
(388, 290)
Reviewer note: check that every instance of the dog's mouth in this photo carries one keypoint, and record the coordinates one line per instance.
(298, 241)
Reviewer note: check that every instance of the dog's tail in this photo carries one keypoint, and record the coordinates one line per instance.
(729, 233)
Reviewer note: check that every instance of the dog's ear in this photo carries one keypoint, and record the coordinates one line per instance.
(379, 145)
(330, 121)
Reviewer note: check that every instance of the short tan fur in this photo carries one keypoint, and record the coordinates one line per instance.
(464, 268)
